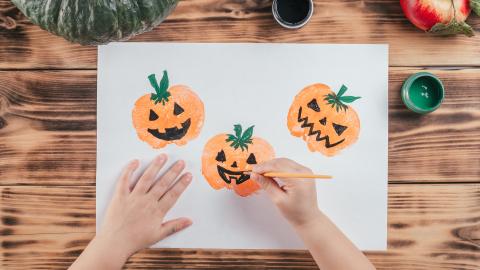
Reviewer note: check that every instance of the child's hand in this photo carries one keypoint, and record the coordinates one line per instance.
(296, 198)
(134, 219)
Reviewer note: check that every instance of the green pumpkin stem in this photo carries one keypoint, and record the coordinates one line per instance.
(240, 139)
(161, 91)
(338, 100)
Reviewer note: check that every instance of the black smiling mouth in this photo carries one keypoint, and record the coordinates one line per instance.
(317, 133)
(229, 176)
(171, 134)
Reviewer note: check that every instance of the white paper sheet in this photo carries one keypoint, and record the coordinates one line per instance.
(252, 84)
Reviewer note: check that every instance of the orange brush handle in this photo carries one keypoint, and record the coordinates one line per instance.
(296, 175)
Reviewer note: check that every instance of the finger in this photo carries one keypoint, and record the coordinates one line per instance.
(271, 187)
(171, 196)
(277, 164)
(148, 177)
(123, 185)
(280, 165)
(166, 180)
(173, 226)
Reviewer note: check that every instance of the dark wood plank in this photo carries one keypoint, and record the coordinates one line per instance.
(25, 46)
(46, 210)
(48, 127)
(429, 227)
(444, 145)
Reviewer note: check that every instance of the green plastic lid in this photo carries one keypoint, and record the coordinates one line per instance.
(423, 92)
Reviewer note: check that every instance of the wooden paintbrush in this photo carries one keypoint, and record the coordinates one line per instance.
(294, 175)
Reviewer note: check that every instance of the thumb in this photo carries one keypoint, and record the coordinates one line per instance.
(271, 187)
(173, 226)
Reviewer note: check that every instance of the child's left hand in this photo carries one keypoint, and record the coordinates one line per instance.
(134, 219)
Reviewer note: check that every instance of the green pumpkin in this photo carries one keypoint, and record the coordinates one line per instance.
(96, 21)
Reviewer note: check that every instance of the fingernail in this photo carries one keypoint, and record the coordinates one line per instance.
(187, 223)
(180, 163)
(161, 157)
(188, 178)
(134, 163)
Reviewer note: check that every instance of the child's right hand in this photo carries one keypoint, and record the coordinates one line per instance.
(296, 198)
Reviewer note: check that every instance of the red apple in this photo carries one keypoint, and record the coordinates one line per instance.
(426, 14)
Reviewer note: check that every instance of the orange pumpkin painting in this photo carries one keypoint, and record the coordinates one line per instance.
(323, 119)
(170, 115)
(227, 157)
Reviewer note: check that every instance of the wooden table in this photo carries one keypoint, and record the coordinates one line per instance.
(48, 137)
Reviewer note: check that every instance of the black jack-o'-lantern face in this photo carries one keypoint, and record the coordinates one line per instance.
(231, 171)
(227, 158)
(322, 120)
(170, 115)
(173, 132)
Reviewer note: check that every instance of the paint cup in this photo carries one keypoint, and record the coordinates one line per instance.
(423, 92)
(292, 14)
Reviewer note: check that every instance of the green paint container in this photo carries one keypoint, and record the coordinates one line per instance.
(423, 92)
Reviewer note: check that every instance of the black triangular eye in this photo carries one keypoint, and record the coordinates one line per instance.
(339, 129)
(221, 156)
(323, 121)
(251, 159)
(313, 105)
(177, 110)
(153, 115)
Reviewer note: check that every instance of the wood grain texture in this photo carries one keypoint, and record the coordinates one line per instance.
(48, 137)
(443, 146)
(48, 129)
(429, 227)
(25, 46)
(46, 210)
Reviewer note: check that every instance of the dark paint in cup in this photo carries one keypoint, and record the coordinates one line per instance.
(292, 14)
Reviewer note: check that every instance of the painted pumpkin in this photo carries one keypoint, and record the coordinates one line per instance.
(170, 115)
(226, 158)
(96, 22)
(323, 120)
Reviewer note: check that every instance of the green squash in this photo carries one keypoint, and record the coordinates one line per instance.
(96, 21)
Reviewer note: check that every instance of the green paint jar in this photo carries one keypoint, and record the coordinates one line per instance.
(423, 92)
